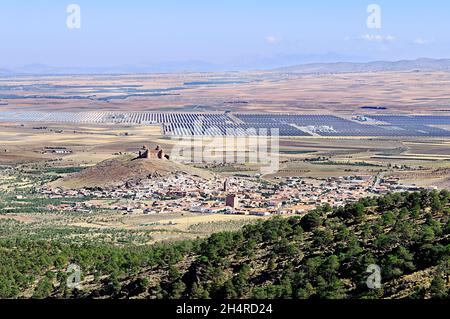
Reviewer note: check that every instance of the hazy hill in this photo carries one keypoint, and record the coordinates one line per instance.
(301, 64)
(423, 64)
(6, 72)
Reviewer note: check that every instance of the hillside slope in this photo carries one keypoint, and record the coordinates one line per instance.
(323, 255)
(116, 172)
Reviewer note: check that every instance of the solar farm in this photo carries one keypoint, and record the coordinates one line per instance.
(240, 124)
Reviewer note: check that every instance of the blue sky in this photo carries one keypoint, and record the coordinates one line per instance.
(229, 33)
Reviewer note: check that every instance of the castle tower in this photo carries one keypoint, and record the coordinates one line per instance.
(232, 201)
(144, 153)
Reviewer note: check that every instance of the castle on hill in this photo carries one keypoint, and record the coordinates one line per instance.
(158, 153)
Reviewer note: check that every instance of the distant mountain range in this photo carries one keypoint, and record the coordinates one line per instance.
(169, 67)
(423, 64)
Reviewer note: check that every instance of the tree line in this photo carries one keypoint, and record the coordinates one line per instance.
(324, 254)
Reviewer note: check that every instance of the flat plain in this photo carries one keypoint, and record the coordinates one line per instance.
(421, 161)
(399, 92)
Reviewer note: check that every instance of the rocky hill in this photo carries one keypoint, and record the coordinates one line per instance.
(116, 172)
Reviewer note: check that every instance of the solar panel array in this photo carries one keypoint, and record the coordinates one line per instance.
(63, 117)
(329, 125)
(323, 125)
(412, 120)
(218, 124)
(164, 118)
(419, 125)
(114, 117)
(227, 129)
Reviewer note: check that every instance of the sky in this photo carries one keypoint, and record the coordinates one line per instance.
(231, 34)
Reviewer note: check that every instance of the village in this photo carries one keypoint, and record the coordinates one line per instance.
(180, 193)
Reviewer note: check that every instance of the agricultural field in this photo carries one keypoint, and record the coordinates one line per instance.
(26, 214)
(415, 161)
(90, 144)
(261, 92)
(61, 133)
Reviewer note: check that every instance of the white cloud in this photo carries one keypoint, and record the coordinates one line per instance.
(420, 41)
(390, 38)
(272, 40)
